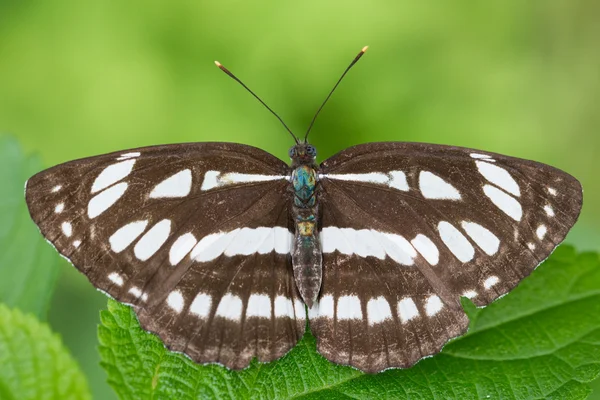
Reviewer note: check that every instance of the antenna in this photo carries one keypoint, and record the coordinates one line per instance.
(218, 64)
(364, 49)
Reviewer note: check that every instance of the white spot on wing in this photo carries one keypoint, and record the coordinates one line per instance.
(152, 240)
(181, 247)
(201, 305)
(478, 155)
(378, 310)
(486, 240)
(456, 242)
(56, 188)
(433, 305)
(324, 308)
(59, 208)
(137, 293)
(67, 229)
(491, 281)
(213, 179)
(541, 231)
(76, 243)
(129, 155)
(434, 187)
(104, 200)
(125, 235)
(115, 278)
(259, 305)
(348, 307)
(230, 307)
(299, 309)
(394, 179)
(398, 181)
(469, 294)
(175, 301)
(552, 191)
(508, 204)
(499, 177)
(426, 248)
(407, 309)
(549, 210)
(112, 174)
(284, 307)
(377, 178)
(531, 246)
(177, 185)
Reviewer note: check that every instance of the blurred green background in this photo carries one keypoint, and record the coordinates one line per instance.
(80, 78)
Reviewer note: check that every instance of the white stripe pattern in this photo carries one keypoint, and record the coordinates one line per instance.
(112, 174)
(434, 187)
(323, 308)
(284, 307)
(348, 307)
(125, 235)
(456, 242)
(116, 278)
(499, 177)
(104, 200)
(181, 247)
(367, 242)
(175, 301)
(393, 179)
(200, 307)
(378, 310)
(508, 204)
(259, 305)
(433, 305)
(230, 307)
(214, 179)
(152, 240)
(244, 241)
(407, 309)
(177, 185)
(486, 240)
(426, 248)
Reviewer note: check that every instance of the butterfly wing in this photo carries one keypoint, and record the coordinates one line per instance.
(423, 225)
(194, 236)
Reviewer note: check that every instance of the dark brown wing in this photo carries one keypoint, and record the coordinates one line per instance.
(409, 228)
(192, 235)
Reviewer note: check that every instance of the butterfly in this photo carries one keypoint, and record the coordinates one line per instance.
(227, 253)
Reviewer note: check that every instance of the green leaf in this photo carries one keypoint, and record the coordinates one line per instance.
(541, 341)
(34, 364)
(28, 265)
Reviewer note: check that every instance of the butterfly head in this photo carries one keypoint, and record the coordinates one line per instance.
(303, 153)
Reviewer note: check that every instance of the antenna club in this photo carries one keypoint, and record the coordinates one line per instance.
(364, 49)
(218, 64)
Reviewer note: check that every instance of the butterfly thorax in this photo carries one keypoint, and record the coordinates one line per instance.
(306, 249)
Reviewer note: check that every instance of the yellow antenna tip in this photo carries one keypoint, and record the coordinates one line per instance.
(218, 64)
(365, 48)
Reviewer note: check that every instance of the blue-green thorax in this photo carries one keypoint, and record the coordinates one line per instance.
(304, 181)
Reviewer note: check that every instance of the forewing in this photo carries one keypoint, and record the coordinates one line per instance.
(408, 228)
(194, 236)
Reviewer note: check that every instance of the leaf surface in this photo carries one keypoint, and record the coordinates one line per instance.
(28, 265)
(542, 341)
(34, 364)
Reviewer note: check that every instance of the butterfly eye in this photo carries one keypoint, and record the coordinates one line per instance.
(292, 152)
(311, 151)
